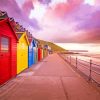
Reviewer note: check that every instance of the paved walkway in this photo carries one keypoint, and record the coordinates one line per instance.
(51, 79)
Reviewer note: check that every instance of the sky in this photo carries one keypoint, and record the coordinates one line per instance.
(58, 21)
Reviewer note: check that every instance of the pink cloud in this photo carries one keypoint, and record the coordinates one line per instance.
(97, 2)
(75, 2)
(27, 6)
(62, 9)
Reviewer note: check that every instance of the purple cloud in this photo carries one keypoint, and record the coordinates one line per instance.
(13, 10)
(45, 1)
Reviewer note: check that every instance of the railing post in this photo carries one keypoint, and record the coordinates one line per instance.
(76, 62)
(67, 58)
(70, 59)
(90, 69)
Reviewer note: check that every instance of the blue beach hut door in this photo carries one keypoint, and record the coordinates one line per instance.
(30, 55)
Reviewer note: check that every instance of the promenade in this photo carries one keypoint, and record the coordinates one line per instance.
(50, 79)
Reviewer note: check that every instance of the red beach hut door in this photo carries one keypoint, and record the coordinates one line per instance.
(5, 68)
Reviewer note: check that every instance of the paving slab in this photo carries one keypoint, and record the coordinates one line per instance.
(79, 89)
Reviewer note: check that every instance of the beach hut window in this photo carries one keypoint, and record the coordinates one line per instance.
(4, 44)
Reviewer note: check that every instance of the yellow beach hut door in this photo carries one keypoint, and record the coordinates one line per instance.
(22, 55)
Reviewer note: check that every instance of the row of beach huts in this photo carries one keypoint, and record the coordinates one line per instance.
(19, 50)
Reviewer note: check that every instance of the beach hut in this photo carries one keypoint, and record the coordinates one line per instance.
(39, 54)
(31, 55)
(42, 51)
(39, 51)
(8, 50)
(22, 52)
(49, 50)
(32, 49)
(45, 51)
(35, 50)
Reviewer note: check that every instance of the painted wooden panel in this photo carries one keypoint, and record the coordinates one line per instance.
(39, 54)
(45, 52)
(8, 48)
(35, 54)
(42, 53)
(30, 55)
(22, 54)
(5, 59)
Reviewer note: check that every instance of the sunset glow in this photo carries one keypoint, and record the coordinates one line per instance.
(91, 48)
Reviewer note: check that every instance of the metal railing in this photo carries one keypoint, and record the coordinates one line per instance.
(90, 69)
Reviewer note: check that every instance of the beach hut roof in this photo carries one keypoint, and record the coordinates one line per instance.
(19, 28)
(7, 20)
(3, 15)
(20, 34)
(13, 23)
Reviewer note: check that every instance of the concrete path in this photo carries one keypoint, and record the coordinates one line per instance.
(51, 79)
